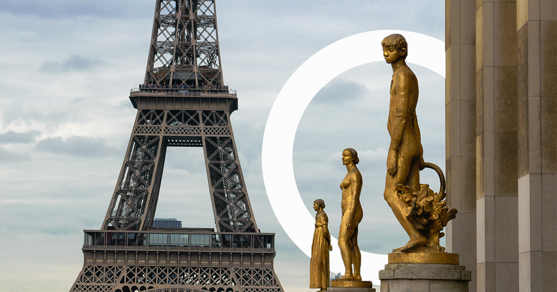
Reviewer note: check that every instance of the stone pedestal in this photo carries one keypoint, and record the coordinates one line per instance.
(424, 278)
(351, 286)
(348, 289)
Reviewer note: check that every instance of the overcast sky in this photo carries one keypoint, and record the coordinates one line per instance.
(66, 68)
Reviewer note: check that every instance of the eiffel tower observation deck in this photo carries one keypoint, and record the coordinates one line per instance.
(182, 102)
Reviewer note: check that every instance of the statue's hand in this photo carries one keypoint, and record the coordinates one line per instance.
(391, 162)
(330, 247)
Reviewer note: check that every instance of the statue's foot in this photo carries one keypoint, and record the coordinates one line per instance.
(412, 243)
(357, 277)
(398, 249)
(347, 277)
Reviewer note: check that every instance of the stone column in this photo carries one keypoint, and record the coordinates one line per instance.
(537, 144)
(496, 146)
(460, 113)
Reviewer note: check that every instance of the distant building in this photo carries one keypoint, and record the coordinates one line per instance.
(336, 277)
(167, 223)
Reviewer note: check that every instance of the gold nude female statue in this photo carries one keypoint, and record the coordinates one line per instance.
(421, 212)
(319, 266)
(352, 214)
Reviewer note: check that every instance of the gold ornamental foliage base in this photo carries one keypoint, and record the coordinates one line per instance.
(351, 284)
(424, 258)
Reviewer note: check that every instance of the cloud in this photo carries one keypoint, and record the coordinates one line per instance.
(72, 9)
(73, 63)
(370, 154)
(12, 156)
(37, 113)
(340, 90)
(16, 137)
(78, 146)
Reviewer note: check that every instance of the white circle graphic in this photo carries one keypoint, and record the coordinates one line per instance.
(285, 115)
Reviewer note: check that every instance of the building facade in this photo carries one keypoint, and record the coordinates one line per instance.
(501, 141)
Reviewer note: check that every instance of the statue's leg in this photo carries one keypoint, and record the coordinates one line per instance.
(405, 165)
(403, 168)
(413, 177)
(344, 243)
(356, 256)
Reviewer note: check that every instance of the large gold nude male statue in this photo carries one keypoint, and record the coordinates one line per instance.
(421, 212)
(404, 159)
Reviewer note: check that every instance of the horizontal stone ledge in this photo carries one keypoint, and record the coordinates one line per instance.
(424, 272)
(424, 266)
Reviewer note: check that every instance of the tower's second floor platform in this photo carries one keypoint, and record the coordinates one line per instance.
(179, 247)
(191, 98)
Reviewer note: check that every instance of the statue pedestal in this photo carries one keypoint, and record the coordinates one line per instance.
(351, 286)
(402, 277)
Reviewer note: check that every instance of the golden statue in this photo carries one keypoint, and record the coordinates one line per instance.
(421, 212)
(319, 266)
(352, 214)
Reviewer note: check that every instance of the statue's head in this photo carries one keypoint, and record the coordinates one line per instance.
(354, 154)
(392, 45)
(320, 203)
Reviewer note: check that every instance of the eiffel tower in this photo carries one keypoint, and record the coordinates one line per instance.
(183, 102)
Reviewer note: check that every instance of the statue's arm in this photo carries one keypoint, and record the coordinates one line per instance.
(325, 229)
(402, 103)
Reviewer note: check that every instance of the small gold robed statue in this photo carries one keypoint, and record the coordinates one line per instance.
(319, 266)
(422, 213)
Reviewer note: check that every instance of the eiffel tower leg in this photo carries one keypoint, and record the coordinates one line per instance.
(231, 204)
(135, 196)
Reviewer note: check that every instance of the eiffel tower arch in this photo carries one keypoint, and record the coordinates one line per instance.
(182, 102)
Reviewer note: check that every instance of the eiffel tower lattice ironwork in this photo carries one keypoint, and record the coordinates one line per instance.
(183, 102)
